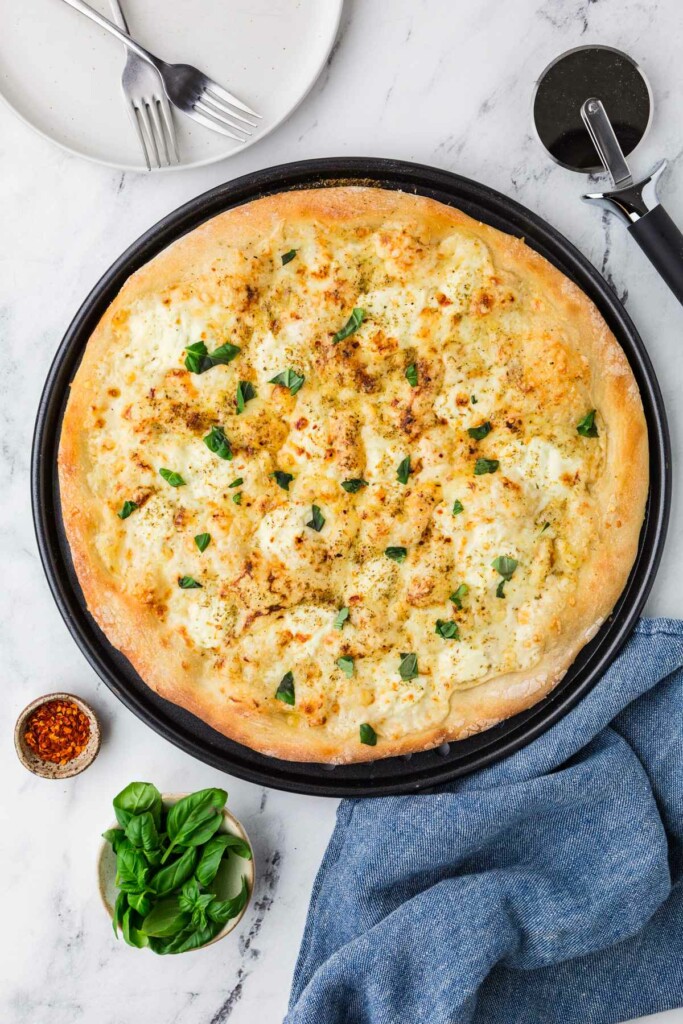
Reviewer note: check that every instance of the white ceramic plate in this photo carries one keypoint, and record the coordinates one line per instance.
(61, 73)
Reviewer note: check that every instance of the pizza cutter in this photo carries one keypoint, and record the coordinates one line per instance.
(592, 107)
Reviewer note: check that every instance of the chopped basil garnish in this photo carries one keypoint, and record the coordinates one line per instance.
(480, 432)
(346, 665)
(217, 442)
(199, 359)
(318, 520)
(447, 629)
(587, 427)
(458, 507)
(236, 482)
(396, 554)
(411, 375)
(457, 595)
(282, 479)
(289, 379)
(352, 486)
(473, 399)
(505, 565)
(128, 507)
(245, 392)
(483, 466)
(285, 691)
(287, 257)
(350, 327)
(403, 471)
(368, 735)
(408, 667)
(174, 479)
(237, 498)
(340, 618)
(545, 527)
(188, 583)
(202, 540)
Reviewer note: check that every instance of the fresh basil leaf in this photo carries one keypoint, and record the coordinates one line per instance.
(447, 629)
(340, 618)
(237, 498)
(174, 479)
(245, 392)
(188, 583)
(368, 736)
(283, 480)
(346, 665)
(115, 837)
(586, 427)
(195, 818)
(132, 871)
(483, 466)
(222, 911)
(202, 540)
(480, 432)
(192, 939)
(285, 691)
(128, 507)
(217, 442)
(354, 485)
(165, 919)
(411, 375)
(140, 902)
(408, 667)
(137, 798)
(120, 908)
(287, 257)
(175, 874)
(131, 932)
(396, 554)
(351, 326)
(457, 595)
(195, 903)
(213, 853)
(458, 507)
(289, 379)
(505, 565)
(318, 520)
(403, 471)
(236, 482)
(142, 832)
(199, 359)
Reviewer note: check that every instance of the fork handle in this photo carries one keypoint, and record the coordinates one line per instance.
(103, 22)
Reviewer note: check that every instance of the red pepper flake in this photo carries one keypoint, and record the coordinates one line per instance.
(57, 731)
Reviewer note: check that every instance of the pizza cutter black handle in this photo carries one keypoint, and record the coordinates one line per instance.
(662, 243)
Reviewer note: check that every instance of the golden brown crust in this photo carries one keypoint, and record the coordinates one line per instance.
(175, 670)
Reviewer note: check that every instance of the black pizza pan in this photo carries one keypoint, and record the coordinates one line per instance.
(391, 775)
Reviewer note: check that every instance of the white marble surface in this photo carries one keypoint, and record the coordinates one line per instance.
(438, 81)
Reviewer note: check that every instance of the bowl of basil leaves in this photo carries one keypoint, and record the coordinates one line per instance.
(176, 871)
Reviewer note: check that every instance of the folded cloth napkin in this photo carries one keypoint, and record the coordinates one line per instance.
(546, 889)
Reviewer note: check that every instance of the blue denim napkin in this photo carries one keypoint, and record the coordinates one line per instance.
(543, 890)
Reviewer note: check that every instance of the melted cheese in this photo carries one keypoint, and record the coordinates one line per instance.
(270, 584)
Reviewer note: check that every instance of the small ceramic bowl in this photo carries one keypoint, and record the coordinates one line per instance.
(47, 769)
(229, 878)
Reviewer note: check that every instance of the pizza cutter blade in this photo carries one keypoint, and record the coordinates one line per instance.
(594, 101)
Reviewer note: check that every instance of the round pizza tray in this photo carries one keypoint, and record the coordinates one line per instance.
(391, 775)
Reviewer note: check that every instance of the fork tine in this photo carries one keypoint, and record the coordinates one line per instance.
(159, 138)
(216, 116)
(167, 118)
(211, 100)
(141, 137)
(209, 122)
(228, 96)
(149, 136)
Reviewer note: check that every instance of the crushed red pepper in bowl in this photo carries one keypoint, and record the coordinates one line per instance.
(57, 736)
(57, 731)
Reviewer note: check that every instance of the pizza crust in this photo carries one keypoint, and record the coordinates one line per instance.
(178, 670)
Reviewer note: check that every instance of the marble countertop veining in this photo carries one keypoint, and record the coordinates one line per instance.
(441, 82)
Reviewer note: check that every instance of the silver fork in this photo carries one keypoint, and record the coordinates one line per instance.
(187, 88)
(147, 105)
